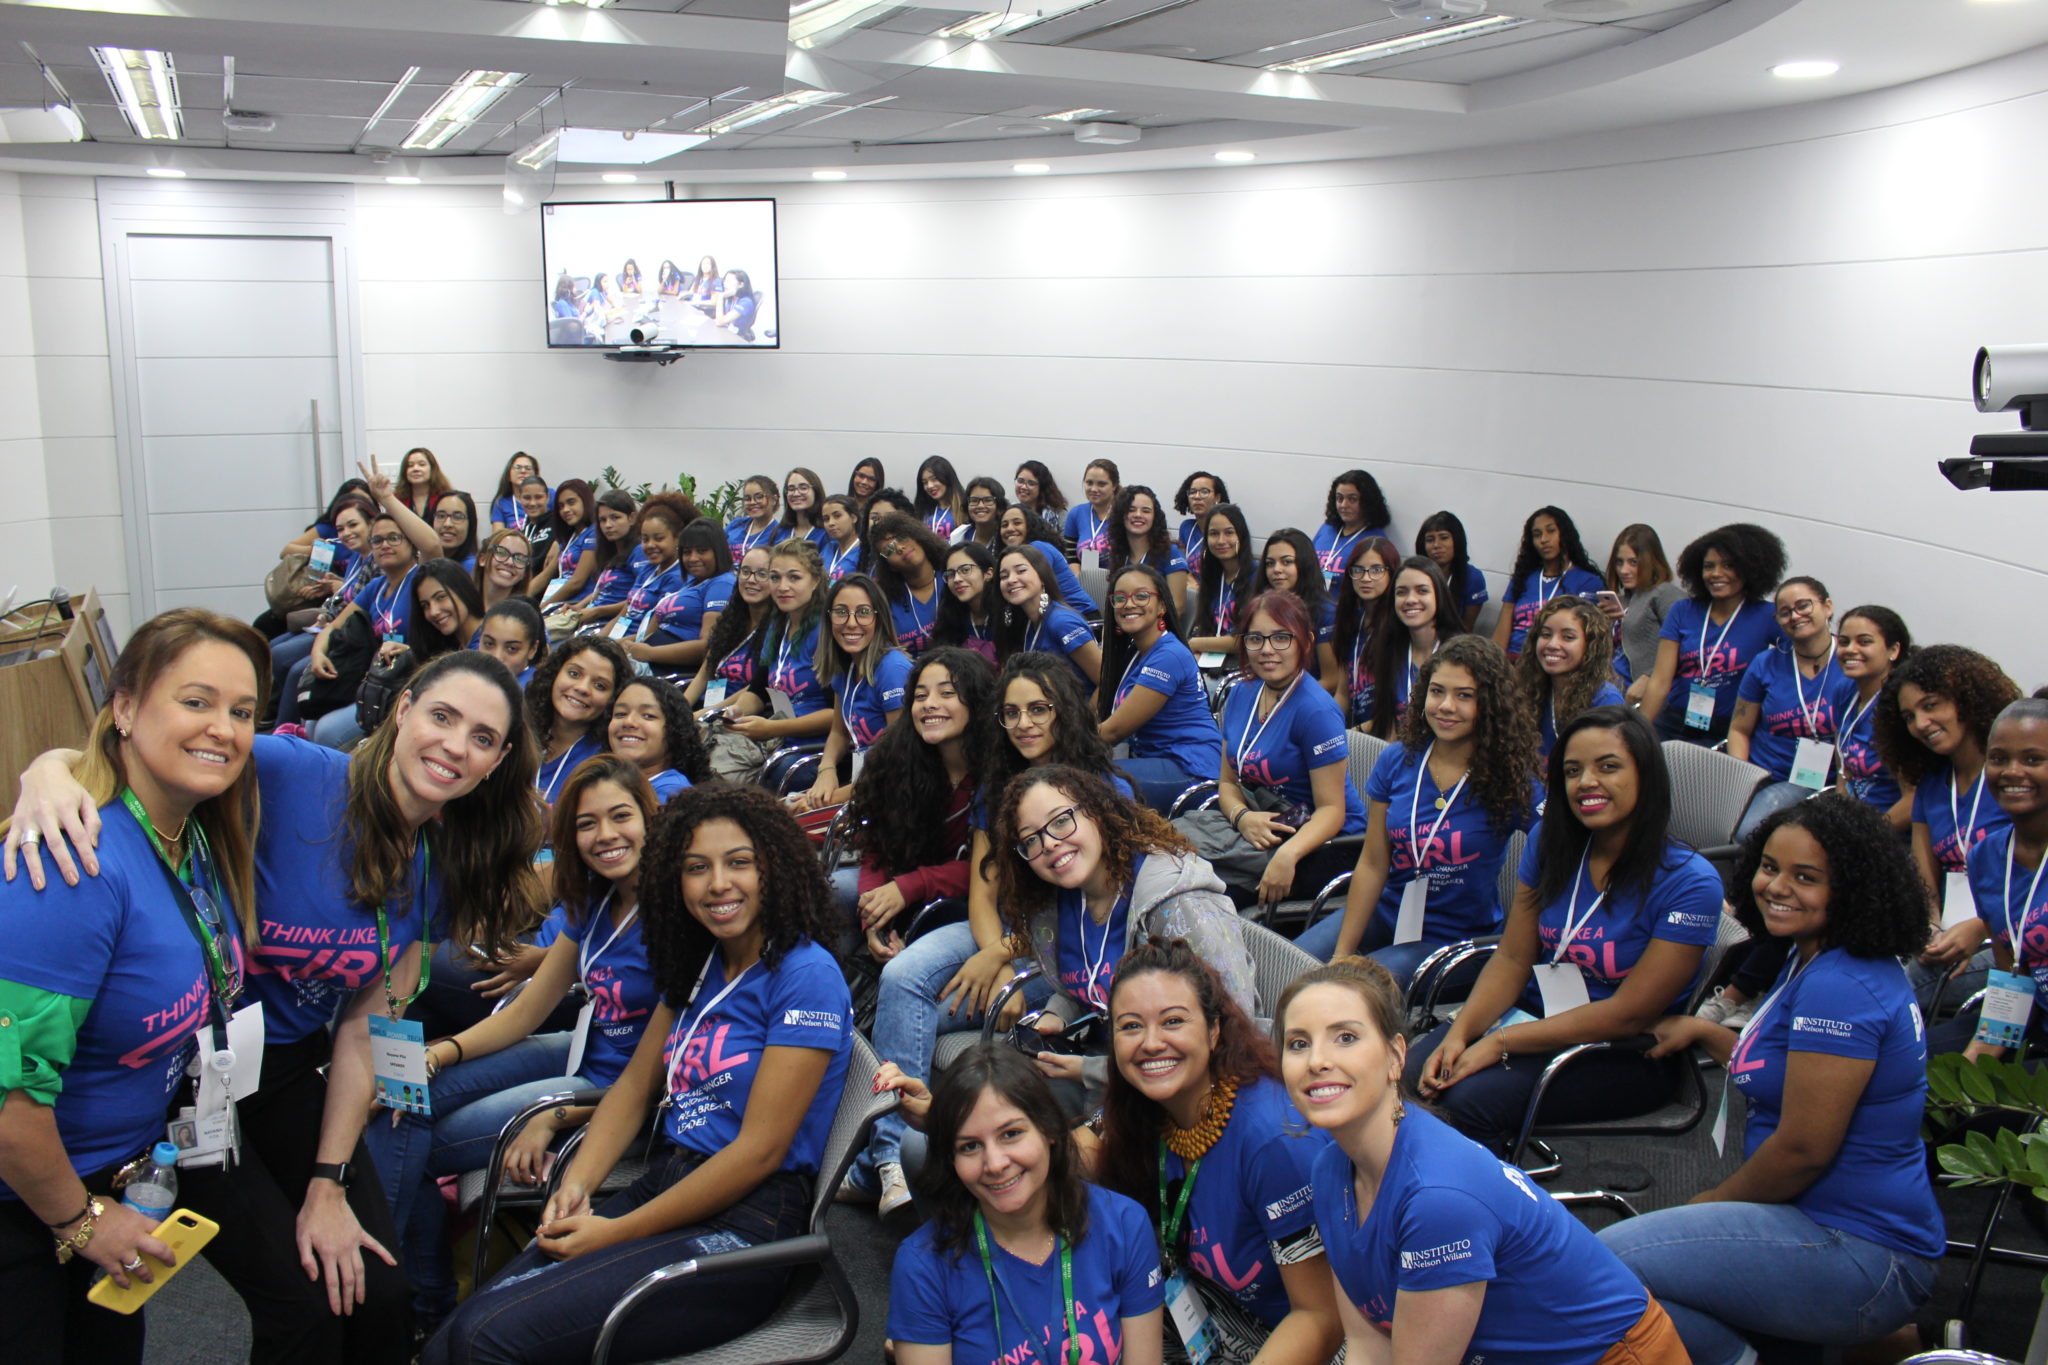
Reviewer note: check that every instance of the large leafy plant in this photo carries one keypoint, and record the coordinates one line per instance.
(2015, 1098)
(721, 504)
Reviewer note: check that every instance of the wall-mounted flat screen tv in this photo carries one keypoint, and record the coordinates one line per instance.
(682, 272)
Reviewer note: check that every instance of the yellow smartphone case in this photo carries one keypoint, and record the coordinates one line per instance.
(186, 1234)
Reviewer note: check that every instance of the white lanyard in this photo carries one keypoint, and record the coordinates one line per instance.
(1358, 646)
(1412, 670)
(1572, 925)
(748, 542)
(1794, 968)
(853, 686)
(1095, 525)
(1707, 619)
(1846, 727)
(1091, 991)
(1820, 680)
(675, 1065)
(839, 557)
(1226, 605)
(782, 668)
(1955, 813)
(1421, 851)
(1250, 736)
(1542, 597)
(547, 793)
(910, 600)
(2012, 930)
(1340, 545)
(587, 959)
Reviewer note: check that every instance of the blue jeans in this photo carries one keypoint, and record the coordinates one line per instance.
(338, 729)
(544, 1312)
(1319, 940)
(1158, 780)
(1729, 1271)
(1931, 984)
(1488, 1105)
(285, 651)
(472, 1103)
(288, 692)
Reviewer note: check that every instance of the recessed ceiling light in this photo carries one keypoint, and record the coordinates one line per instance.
(828, 175)
(401, 180)
(165, 172)
(619, 177)
(1158, 50)
(1231, 154)
(1031, 168)
(1806, 70)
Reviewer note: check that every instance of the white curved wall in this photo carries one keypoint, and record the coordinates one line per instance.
(1766, 318)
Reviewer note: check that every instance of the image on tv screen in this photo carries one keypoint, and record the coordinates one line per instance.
(682, 272)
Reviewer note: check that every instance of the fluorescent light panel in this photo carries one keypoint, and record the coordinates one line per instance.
(762, 110)
(820, 23)
(1080, 115)
(1439, 36)
(145, 85)
(1001, 23)
(460, 106)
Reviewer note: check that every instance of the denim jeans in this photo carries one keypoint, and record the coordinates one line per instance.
(1488, 1105)
(1729, 1271)
(544, 1312)
(288, 691)
(1158, 780)
(1931, 985)
(1319, 940)
(285, 651)
(337, 729)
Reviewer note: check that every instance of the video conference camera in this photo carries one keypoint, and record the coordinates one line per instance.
(2007, 379)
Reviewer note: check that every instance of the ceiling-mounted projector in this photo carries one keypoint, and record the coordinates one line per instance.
(1432, 10)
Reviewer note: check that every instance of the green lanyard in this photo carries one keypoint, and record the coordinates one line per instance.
(206, 928)
(1066, 1290)
(1169, 1229)
(391, 1002)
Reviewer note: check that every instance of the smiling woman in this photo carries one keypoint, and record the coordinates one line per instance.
(569, 702)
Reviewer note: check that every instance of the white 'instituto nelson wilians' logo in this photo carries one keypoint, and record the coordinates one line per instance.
(1834, 1028)
(1460, 1250)
(1280, 1208)
(810, 1019)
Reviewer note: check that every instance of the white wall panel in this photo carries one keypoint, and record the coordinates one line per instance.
(217, 550)
(70, 315)
(252, 394)
(260, 473)
(233, 319)
(84, 475)
(76, 396)
(61, 233)
(180, 257)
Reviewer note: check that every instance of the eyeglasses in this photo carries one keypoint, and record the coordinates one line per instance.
(387, 540)
(1803, 607)
(1142, 597)
(1368, 572)
(506, 555)
(981, 502)
(1061, 826)
(958, 573)
(1279, 639)
(889, 549)
(1038, 713)
(797, 488)
(746, 498)
(753, 575)
(842, 615)
(452, 514)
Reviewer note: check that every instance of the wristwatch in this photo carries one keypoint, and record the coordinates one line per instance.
(340, 1172)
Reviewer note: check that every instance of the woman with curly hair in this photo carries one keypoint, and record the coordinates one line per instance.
(653, 729)
(908, 557)
(1873, 640)
(1223, 582)
(1282, 793)
(1199, 1131)
(869, 677)
(1364, 599)
(1138, 535)
(1354, 510)
(868, 477)
(1068, 1270)
(757, 1029)
(1035, 620)
(1089, 523)
(1828, 1233)
(985, 503)
(885, 502)
(1157, 704)
(1198, 493)
(1082, 874)
(1442, 540)
(673, 640)
(1443, 804)
(787, 700)
(1038, 493)
(421, 482)
(1933, 722)
(1550, 560)
(1710, 639)
(1569, 668)
(939, 502)
(1610, 919)
(972, 606)
(1288, 564)
(569, 703)
(1420, 618)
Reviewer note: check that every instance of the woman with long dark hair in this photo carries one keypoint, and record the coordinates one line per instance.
(1288, 564)
(1038, 493)
(839, 517)
(659, 528)
(1641, 590)
(1018, 527)
(454, 526)
(673, 640)
(908, 557)
(1873, 641)
(571, 535)
(1423, 617)
(869, 678)
(732, 649)
(1089, 524)
(569, 705)
(885, 502)
(1549, 560)
(1567, 668)
(1789, 707)
(1223, 582)
(801, 490)
(972, 606)
(1354, 510)
(1442, 539)
(1198, 493)
(614, 559)
(985, 502)
(757, 523)
(787, 699)
(1138, 535)
(1711, 637)
(1034, 619)
(868, 478)
(1156, 703)
(1364, 595)
(939, 503)
(508, 513)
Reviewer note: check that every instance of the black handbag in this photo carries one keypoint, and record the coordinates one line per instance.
(350, 648)
(381, 686)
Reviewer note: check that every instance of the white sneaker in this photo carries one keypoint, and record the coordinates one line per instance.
(895, 1189)
(1718, 1008)
(1738, 1017)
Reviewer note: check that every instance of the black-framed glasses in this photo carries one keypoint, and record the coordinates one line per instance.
(451, 514)
(387, 540)
(1366, 573)
(506, 555)
(958, 573)
(1038, 713)
(841, 615)
(981, 502)
(752, 575)
(1061, 826)
(1278, 639)
(1142, 597)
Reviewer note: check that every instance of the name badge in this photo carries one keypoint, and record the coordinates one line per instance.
(205, 1139)
(398, 1059)
(2008, 1004)
(322, 558)
(714, 692)
(1699, 707)
(1210, 658)
(1562, 986)
(779, 704)
(579, 1038)
(1190, 1318)
(859, 761)
(1811, 762)
(1408, 923)
(242, 1059)
(1957, 904)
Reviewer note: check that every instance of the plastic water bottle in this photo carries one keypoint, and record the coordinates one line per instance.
(154, 1193)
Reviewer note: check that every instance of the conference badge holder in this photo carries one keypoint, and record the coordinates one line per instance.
(1562, 986)
(1811, 762)
(714, 693)
(207, 1132)
(1190, 1318)
(1699, 707)
(1957, 903)
(579, 1040)
(1414, 898)
(321, 559)
(398, 1058)
(2008, 1004)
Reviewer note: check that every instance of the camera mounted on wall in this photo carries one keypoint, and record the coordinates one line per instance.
(645, 350)
(2007, 379)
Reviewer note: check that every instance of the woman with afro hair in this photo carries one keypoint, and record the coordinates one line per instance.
(1712, 637)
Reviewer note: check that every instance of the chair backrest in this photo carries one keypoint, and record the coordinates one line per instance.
(1276, 961)
(1708, 792)
(852, 1121)
(1094, 580)
(1362, 753)
(1727, 934)
(1510, 866)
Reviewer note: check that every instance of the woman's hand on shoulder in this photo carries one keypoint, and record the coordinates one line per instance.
(52, 813)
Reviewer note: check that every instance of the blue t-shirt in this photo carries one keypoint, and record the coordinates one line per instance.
(622, 990)
(1939, 806)
(1474, 593)
(865, 706)
(1748, 633)
(743, 307)
(938, 1299)
(1170, 561)
(802, 1003)
(1864, 775)
(1607, 694)
(1060, 632)
(120, 941)
(1358, 673)
(1070, 591)
(915, 620)
(549, 777)
(506, 511)
(1190, 540)
(317, 945)
(679, 617)
(839, 563)
(1334, 545)
(1182, 730)
(792, 668)
(1461, 857)
(1683, 906)
(1252, 1190)
(574, 549)
(941, 522)
(615, 582)
(650, 586)
(667, 783)
(1450, 1213)
(1089, 533)
(1304, 733)
(1537, 590)
(2013, 901)
(738, 668)
(390, 607)
(742, 538)
(1841, 1006)
(1775, 684)
(1088, 952)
